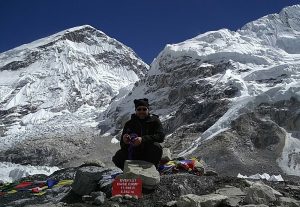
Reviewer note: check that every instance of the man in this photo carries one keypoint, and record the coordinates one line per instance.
(141, 137)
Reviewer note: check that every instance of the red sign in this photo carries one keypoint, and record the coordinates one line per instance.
(131, 187)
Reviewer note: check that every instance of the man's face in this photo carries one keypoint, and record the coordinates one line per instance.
(141, 111)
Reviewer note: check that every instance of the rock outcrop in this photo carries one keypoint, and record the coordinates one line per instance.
(144, 170)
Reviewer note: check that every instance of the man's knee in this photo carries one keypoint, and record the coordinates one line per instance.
(154, 151)
(156, 148)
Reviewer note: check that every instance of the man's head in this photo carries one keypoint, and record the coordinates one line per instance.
(141, 107)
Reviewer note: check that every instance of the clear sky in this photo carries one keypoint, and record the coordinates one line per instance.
(144, 25)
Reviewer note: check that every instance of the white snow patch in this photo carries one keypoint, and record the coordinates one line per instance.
(289, 160)
(10, 172)
(114, 140)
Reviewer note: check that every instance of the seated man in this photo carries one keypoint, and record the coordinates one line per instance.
(141, 137)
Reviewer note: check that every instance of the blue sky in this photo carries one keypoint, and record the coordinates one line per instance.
(144, 25)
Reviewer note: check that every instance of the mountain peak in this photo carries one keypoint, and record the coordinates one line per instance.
(74, 34)
(291, 9)
(81, 29)
(85, 26)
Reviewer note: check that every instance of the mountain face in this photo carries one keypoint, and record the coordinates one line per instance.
(57, 86)
(229, 97)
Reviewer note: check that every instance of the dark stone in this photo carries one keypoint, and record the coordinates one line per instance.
(86, 179)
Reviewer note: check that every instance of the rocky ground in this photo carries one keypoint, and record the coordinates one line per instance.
(173, 190)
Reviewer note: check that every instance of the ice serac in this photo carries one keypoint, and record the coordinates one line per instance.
(57, 86)
(200, 86)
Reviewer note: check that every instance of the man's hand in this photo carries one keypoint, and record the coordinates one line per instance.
(137, 141)
(126, 138)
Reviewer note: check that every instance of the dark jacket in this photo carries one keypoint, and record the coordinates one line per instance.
(150, 129)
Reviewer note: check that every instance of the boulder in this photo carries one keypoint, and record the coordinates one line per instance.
(166, 156)
(87, 198)
(235, 195)
(141, 169)
(189, 200)
(100, 199)
(171, 204)
(289, 202)
(17, 174)
(260, 193)
(128, 197)
(86, 179)
(117, 198)
(199, 166)
(210, 173)
(294, 187)
(94, 162)
(209, 200)
(276, 193)
(97, 193)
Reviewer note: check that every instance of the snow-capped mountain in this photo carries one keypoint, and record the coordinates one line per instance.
(202, 86)
(57, 86)
(229, 97)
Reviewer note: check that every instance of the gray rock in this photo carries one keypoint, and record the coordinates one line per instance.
(248, 183)
(95, 162)
(294, 187)
(260, 193)
(100, 199)
(276, 193)
(20, 201)
(87, 198)
(86, 179)
(253, 205)
(145, 170)
(58, 190)
(129, 197)
(117, 198)
(210, 200)
(189, 200)
(135, 197)
(166, 156)
(199, 166)
(171, 204)
(64, 174)
(97, 193)
(210, 173)
(289, 202)
(16, 174)
(235, 195)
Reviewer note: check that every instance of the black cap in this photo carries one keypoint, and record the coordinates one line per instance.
(141, 102)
